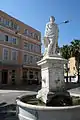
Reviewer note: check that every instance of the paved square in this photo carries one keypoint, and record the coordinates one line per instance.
(8, 103)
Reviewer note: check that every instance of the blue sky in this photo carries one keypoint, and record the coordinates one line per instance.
(37, 12)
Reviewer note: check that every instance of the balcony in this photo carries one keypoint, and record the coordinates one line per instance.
(9, 63)
(19, 35)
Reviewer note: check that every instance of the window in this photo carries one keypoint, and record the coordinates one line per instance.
(26, 46)
(6, 38)
(36, 75)
(30, 34)
(38, 48)
(36, 59)
(31, 59)
(24, 74)
(15, 26)
(25, 58)
(13, 75)
(6, 22)
(12, 24)
(18, 28)
(26, 32)
(5, 54)
(14, 55)
(14, 40)
(1, 19)
(35, 48)
(38, 37)
(31, 75)
(35, 36)
(32, 47)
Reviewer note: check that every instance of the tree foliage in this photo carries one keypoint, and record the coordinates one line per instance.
(65, 51)
(75, 51)
(72, 50)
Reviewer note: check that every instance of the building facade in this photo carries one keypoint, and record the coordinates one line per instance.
(20, 49)
(70, 67)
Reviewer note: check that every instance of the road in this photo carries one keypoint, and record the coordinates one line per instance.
(9, 96)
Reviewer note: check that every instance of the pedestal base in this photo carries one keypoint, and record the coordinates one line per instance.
(52, 71)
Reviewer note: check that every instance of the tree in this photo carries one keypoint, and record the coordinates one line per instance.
(75, 52)
(65, 52)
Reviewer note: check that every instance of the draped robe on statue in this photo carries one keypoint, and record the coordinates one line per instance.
(51, 38)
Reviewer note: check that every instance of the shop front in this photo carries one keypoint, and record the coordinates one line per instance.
(9, 74)
(31, 75)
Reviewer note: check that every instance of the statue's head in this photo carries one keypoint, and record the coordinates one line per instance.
(52, 19)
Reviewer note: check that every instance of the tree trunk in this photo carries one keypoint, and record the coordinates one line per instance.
(67, 74)
(78, 74)
(78, 71)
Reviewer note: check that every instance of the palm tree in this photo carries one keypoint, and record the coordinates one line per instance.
(75, 52)
(65, 52)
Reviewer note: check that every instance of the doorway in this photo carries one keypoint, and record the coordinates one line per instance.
(4, 76)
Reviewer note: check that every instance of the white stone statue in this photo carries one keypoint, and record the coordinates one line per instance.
(51, 37)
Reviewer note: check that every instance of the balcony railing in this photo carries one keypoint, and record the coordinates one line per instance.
(9, 63)
(18, 34)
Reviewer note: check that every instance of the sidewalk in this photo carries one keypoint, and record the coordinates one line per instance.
(35, 87)
(71, 85)
(32, 87)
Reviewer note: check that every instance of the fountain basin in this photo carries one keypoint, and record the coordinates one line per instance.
(27, 111)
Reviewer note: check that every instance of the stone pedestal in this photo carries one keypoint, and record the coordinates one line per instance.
(52, 72)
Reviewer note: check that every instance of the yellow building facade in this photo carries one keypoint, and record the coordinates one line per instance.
(72, 66)
(20, 49)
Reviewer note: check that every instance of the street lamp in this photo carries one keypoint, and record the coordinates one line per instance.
(64, 22)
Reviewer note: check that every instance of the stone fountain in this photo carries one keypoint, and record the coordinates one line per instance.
(52, 102)
(52, 69)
